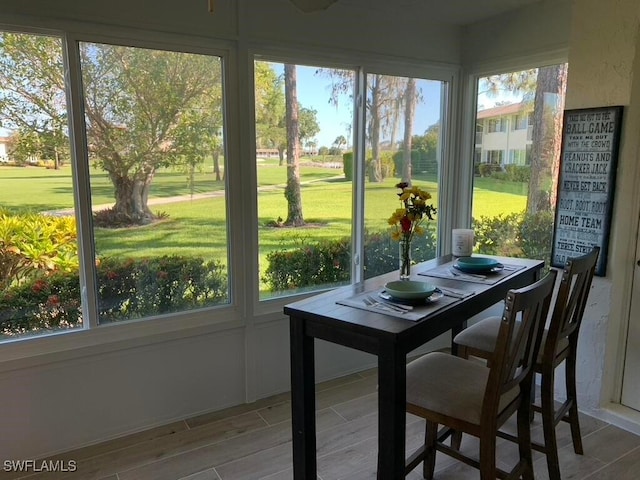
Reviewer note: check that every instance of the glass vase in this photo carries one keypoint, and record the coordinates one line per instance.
(404, 258)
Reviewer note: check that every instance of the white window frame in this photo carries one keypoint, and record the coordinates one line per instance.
(147, 330)
(448, 193)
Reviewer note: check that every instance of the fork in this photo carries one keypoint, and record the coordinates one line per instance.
(469, 275)
(372, 302)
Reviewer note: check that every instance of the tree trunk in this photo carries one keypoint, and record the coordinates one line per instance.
(132, 196)
(557, 134)
(375, 170)
(395, 125)
(547, 132)
(281, 152)
(216, 163)
(409, 116)
(292, 191)
(56, 158)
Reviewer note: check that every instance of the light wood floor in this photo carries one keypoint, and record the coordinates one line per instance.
(253, 442)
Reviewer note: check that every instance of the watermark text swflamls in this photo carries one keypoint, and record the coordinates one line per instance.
(35, 466)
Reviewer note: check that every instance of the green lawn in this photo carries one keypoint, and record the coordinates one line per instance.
(198, 227)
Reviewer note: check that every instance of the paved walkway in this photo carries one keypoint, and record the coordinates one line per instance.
(67, 212)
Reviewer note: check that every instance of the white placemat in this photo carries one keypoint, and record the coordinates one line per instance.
(447, 270)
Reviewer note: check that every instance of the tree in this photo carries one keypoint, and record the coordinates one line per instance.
(311, 145)
(137, 105)
(547, 135)
(538, 85)
(409, 114)
(385, 107)
(33, 97)
(339, 142)
(271, 130)
(308, 124)
(292, 190)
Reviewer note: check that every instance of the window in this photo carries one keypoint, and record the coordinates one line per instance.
(39, 281)
(304, 162)
(513, 210)
(494, 157)
(520, 121)
(517, 157)
(154, 130)
(403, 143)
(479, 132)
(497, 125)
(153, 189)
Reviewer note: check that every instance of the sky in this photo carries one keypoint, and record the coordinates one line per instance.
(314, 92)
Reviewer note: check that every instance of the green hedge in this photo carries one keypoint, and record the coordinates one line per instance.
(516, 235)
(347, 164)
(518, 173)
(381, 254)
(422, 161)
(488, 169)
(127, 289)
(329, 262)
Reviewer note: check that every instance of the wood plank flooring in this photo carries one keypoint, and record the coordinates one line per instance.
(253, 442)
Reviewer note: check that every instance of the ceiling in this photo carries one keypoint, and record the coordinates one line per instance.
(453, 12)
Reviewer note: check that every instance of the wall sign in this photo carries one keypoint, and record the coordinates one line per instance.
(586, 183)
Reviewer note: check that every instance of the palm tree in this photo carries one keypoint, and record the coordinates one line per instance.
(292, 190)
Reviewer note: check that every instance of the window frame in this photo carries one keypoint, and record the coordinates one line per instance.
(244, 309)
(146, 330)
(270, 307)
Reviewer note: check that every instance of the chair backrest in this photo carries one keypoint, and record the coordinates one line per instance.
(571, 300)
(517, 345)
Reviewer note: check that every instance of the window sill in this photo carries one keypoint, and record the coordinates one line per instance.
(70, 344)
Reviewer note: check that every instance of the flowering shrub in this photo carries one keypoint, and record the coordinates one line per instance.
(154, 286)
(41, 304)
(126, 289)
(32, 244)
(318, 263)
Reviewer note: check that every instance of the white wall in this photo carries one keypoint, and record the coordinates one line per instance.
(604, 70)
(538, 28)
(64, 397)
(613, 69)
(602, 63)
(57, 402)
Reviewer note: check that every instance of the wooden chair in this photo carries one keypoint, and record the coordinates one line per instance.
(465, 396)
(559, 344)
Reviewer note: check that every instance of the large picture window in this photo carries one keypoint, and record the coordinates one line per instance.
(156, 186)
(304, 166)
(513, 205)
(403, 144)
(154, 130)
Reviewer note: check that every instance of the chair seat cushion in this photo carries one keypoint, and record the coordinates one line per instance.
(451, 386)
(482, 336)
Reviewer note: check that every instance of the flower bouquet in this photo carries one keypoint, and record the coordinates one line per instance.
(406, 222)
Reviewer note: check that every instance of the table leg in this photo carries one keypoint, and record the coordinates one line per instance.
(392, 398)
(303, 402)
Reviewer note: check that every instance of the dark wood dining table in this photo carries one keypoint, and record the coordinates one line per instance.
(389, 338)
